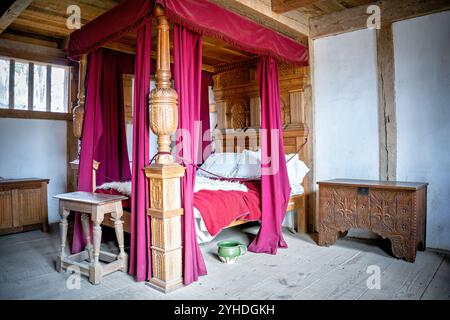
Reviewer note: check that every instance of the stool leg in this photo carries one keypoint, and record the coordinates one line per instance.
(97, 241)
(95, 270)
(118, 227)
(63, 226)
(87, 234)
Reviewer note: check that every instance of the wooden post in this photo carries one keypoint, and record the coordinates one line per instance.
(165, 194)
(387, 123)
(78, 110)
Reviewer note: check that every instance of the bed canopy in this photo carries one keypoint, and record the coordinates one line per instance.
(180, 108)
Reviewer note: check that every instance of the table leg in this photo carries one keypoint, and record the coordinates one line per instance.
(95, 270)
(63, 226)
(87, 234)
(118, 227)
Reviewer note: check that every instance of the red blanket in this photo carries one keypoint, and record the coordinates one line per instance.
(221, 208)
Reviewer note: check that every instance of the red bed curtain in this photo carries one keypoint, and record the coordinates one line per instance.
(104, 136)
(275, 188)
(207, 18)
(204, 116)
(120, 20)
(140, 255)
(187, 78)
(112, 152)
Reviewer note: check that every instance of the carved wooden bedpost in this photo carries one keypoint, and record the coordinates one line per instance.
(165, 195)
(78, 110)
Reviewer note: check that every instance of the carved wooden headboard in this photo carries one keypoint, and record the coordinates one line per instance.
(236, 95)
(294, 136)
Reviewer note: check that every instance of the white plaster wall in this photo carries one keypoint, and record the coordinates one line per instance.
(35, 148)
(422, 71)
(345, 79)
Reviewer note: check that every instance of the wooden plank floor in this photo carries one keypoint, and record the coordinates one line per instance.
(303, 271)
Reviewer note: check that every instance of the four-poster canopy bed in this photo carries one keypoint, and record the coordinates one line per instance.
(164, 249)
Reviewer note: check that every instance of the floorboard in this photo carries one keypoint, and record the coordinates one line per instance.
(302, 271)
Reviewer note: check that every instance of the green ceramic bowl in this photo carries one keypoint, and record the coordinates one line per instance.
(229, 250)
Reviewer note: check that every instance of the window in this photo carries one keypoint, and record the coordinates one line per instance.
(4, 83)
(21, 71)
(40, 88)
(36, 86)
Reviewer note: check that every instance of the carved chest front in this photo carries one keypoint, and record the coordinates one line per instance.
(394, 210)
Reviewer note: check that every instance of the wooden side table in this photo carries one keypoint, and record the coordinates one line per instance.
(95, 205)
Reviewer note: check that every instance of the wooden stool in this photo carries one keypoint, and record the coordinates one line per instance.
(96, 205)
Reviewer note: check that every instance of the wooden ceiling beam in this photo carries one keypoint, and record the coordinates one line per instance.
(282, 6)
(33, 52)
(11, 14)
(353, 19)
(261, 12)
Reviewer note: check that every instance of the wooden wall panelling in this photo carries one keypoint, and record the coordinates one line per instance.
(255, 111)
(221, 108)
(128, 97)
(297, 106)
(238, 85)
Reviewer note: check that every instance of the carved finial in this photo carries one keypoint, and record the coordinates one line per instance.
(163, 99)
(78, 110)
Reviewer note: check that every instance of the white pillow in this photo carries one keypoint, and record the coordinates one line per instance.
(297, 171)
(221, 164)
(249, 165)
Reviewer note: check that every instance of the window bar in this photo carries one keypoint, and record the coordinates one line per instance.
(66, 88)
(49, 88)
(30, 86)
(12, 66)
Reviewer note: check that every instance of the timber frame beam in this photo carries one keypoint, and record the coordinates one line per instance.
(11, 14)
(292, 25)
(387, 119)
(33, 52)
(281, 6)
(356, 18)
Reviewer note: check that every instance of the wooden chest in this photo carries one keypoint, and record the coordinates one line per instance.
(394, 210)
(23, 205)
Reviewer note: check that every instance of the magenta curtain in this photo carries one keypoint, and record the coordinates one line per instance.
(111, 151)
(140, 256)
(103, 136)
(275, 188)
(209, 19)
(92, 130)
(200, 16)
(187, 78)
(120, 20)
(204, 116)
